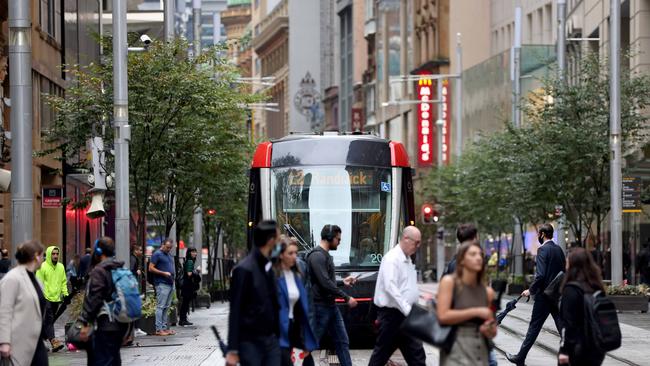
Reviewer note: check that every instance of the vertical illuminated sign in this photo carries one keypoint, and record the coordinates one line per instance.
(446, 127)
(425, 123)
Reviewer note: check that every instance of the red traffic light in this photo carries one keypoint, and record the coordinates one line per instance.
(429, 214)
(212, 212)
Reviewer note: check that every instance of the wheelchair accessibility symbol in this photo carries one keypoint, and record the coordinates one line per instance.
(385, 187)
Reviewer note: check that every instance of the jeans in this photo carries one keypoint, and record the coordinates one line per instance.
(163, 301)
(492, 358)
(263, 351)
(328, 319)
(50, 310)
(105, 348)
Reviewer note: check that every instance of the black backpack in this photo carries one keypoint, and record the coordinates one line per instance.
(602, 331)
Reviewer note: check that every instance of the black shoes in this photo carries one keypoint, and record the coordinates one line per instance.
(183, 323)
(515, 359)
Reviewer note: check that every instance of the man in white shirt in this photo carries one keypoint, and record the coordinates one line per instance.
(395, 293)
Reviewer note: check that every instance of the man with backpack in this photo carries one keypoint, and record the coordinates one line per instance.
(110, 330)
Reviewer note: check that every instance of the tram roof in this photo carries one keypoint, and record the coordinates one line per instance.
(330, 149)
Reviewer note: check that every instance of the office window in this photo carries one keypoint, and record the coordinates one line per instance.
(47, 88)
(50, 17)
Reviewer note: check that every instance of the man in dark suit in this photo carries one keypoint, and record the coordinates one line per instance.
(253, 325)
(550, 261)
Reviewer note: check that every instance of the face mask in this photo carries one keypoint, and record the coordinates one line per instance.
(540, 239)
(275, 253)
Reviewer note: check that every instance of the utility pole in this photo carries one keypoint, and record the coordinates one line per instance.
(516, 95)
(20, 80)
(196, 21)
(169, 20)
(216, 28)
(198, 211)
(561, 65)
(440, 239)
(122, 130)
(616, 214)
(459, 96)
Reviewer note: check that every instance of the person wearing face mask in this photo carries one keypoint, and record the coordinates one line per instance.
(253, 325)
(549, 262)
(22, 308)
(55, 283)
(295, 331)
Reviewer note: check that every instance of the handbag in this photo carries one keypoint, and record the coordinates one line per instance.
(422, 323)
(73, 336)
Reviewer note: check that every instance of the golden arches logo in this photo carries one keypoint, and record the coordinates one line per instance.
(424, 82)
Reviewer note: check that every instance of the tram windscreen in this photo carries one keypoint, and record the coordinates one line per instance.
(357, 199)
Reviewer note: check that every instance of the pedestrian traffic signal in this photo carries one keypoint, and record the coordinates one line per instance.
(429, 214)
(212, 212)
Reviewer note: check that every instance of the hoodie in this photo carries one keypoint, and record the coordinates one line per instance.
(99, 290)
(55, 283)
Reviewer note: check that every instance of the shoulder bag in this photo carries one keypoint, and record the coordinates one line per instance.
(422, 323)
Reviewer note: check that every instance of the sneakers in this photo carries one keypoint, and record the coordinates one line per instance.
(139, 333)
(56, 345)
(184, 323)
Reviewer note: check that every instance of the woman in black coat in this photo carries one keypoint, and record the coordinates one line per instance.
(191, 280)
(583, 277)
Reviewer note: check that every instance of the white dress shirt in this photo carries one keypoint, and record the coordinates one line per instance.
(397, 284)
(292, 290)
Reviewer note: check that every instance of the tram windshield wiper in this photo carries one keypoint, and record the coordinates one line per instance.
(294, 233)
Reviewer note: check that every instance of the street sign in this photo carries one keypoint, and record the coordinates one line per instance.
(52, 197)
(631, 194)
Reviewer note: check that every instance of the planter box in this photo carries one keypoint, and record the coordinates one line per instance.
(203, 301)
(147, 325)
(173, 317)
(630, 302)
(514, 289)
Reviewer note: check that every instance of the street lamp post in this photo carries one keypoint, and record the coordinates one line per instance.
(198, 210)
(196, 22)
(516, 111)
(169, 20)
(616, 214)
(561, 65)
(122, 130)
(20, 81)
(440, 241)
(459, 97)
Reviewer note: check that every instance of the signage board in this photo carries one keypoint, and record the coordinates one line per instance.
(631, 194)
(425, 123)
(52, 197)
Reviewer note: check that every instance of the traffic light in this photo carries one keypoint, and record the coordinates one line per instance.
(212, 212)
(429, 214)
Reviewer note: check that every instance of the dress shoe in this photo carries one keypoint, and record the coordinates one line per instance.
(56, 345)
(515, 359)
(184, 323)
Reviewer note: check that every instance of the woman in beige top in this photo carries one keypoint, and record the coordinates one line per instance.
(463, 301)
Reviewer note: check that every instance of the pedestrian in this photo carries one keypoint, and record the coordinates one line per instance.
(162, 268)
(295, 329)
(549, 262)
(327, 317)
(190, 284)
(72, 273)
(5, 262)
(108, 335)
(135, 262)
(84, 265)
(643, 263)
(55, 285)
(583, 277)
(253, 324)
(396, 291)
(22, 308)
(464, 300)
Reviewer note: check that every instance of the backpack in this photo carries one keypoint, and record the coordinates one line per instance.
(126, 305)
(602, 331)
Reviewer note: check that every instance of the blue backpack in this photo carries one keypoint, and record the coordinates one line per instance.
(126, 306)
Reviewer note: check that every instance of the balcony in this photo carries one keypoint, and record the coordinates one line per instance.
(271, 27)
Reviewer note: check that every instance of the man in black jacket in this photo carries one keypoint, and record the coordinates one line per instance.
(325, 291)
(253, 325)
(550, 261)
(108, 336)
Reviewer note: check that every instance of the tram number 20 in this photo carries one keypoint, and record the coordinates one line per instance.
(375, 258)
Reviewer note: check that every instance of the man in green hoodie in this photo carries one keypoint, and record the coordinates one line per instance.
(55, 289)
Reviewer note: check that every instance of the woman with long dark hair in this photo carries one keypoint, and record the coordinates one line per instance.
(22, 308)
(191, 280)
(582, 277)
(295, 331)
(464, 300)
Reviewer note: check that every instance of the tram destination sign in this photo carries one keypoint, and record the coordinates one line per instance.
(631, 194)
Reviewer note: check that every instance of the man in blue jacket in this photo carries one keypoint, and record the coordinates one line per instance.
(550, 261)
